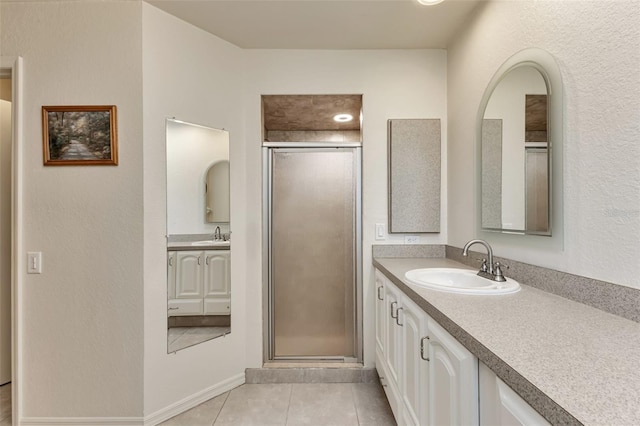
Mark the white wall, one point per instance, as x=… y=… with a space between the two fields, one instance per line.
x=191 y=150
x=596 y=47
x=196 y=77
x=394 y=84
x=82 y=317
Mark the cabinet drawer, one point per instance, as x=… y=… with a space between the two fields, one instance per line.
x=181 y=307
x=217 y=306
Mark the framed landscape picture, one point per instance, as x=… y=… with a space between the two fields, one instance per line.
x=79 y=135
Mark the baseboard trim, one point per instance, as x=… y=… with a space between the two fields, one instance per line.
x=193 y=400
x=88 y=421
x=152 y=419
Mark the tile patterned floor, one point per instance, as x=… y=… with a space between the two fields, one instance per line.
x=5 y=404
x=313 y=404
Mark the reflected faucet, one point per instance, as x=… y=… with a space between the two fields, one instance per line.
x=490 y=271
x=216 y=235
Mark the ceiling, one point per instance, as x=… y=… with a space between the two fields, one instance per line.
x=325 y=24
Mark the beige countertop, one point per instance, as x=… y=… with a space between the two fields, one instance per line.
x=571 y=362
x=189 y=246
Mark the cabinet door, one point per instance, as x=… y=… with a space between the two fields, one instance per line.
x=380 y=317
x=392 y=303
x=415 y=368
x=453 y=380
x=189 y=275
x=216 y=274
x=171 y=275
x=501 y=406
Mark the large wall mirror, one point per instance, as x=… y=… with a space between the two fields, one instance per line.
x=198 y=234
x=520 y=140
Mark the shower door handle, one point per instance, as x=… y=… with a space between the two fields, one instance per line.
x=380 y=298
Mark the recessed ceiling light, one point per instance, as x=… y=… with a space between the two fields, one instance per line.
x=342 y=118
x=429 y=2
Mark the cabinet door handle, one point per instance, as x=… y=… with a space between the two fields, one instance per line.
x=380 y=298
x=206 y=260
x=422 y=348
x=392 y=309
x=173 y=309
x=198 y=260
x=398 y=316
x=171 y=261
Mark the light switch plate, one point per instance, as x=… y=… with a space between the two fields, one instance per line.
x=380 y=234
x=34 y=262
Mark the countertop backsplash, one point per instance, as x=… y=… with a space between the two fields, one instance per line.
x=183 y=238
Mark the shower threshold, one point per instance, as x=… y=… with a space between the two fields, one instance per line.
x=311 y=364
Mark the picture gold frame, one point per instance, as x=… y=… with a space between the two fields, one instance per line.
x=84 y=135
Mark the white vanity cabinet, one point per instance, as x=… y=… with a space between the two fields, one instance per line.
x=392 y=297
x=414 y=381
x=386 y=341
x=453 y=379
x=189 y=273
x=199 y=283
x=171 y=275
x=428 y=376
x=380 y=318
x=501 y=406
x=217 y=285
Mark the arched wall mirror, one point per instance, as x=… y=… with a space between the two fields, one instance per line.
x=198 y=234
x=519 y=135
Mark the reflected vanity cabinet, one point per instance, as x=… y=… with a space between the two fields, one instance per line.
x=217 y=283
x=429 y=377
x=199 y=283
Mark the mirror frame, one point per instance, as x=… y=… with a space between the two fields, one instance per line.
x=544 y=63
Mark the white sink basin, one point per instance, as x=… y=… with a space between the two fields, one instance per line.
x=461 y=281
x=210 y=243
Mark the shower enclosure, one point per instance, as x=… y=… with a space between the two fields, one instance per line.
x=313 y=252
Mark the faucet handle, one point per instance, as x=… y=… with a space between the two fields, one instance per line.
x=484 y=266
x=497 y=271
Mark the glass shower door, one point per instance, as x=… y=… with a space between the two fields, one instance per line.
x=313 y=230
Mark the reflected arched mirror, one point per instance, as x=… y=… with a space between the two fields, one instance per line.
x=519 y=122
x=198 y=245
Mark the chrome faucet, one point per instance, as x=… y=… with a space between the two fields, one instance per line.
x=216 y=235
x=491 y=271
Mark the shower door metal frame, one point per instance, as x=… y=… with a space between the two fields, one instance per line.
x=268 y=148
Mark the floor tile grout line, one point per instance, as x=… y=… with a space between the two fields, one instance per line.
x=286 y=417
x=355 y=405
x=221 y=407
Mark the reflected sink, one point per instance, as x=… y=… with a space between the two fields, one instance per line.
x=210 y=243
x=463 y=281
